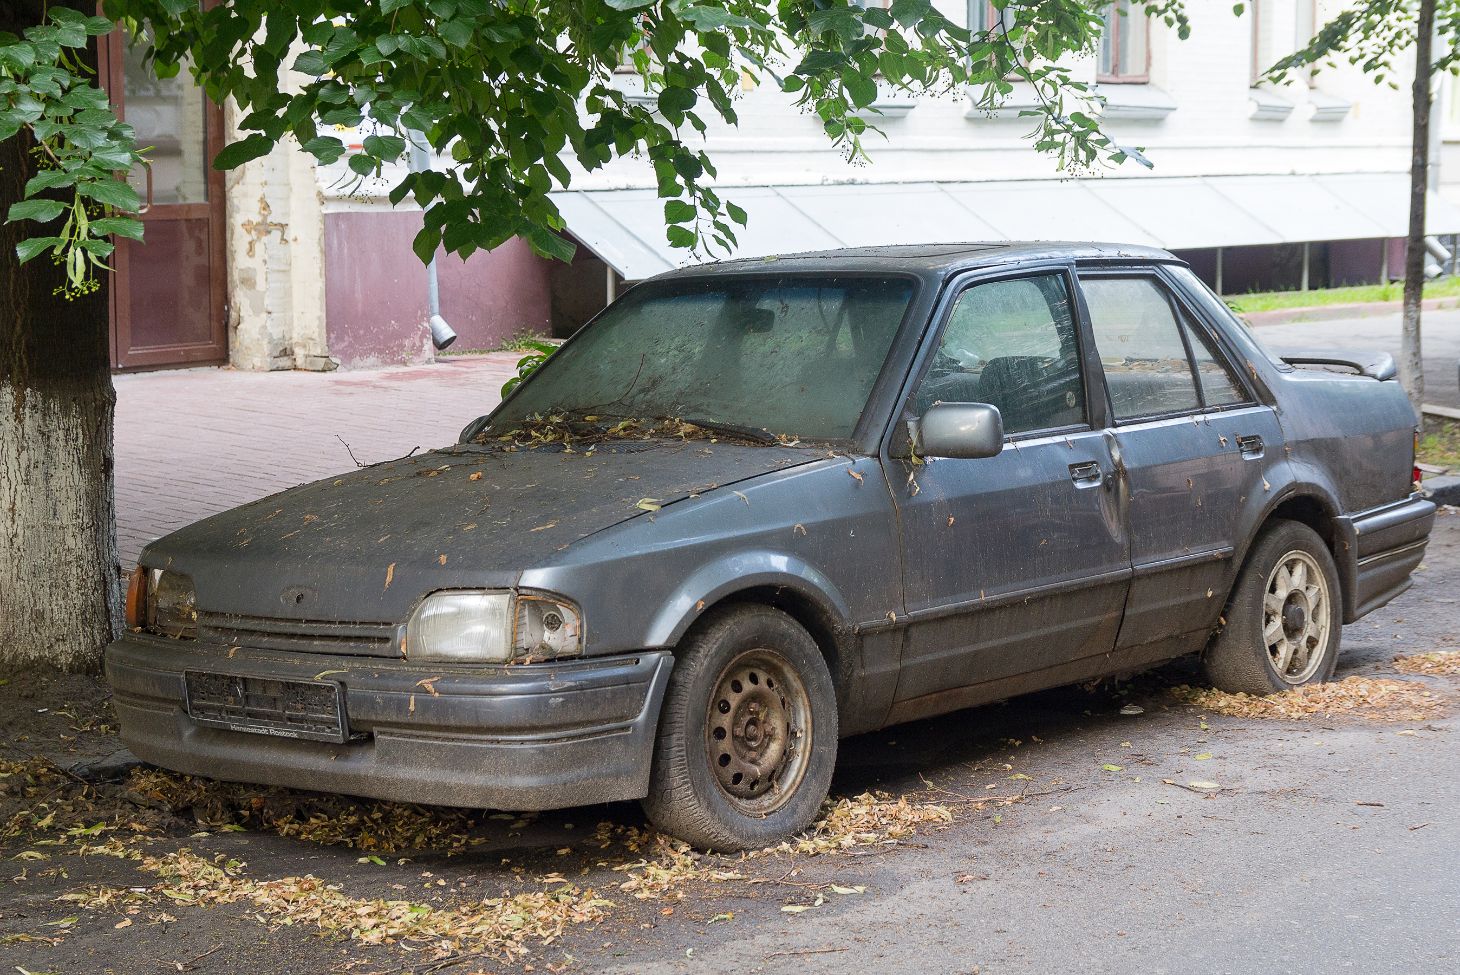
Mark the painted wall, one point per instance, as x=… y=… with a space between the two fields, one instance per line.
x=375 y=291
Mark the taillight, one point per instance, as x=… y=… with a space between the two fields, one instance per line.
x=136 y=605
x=1416 y=475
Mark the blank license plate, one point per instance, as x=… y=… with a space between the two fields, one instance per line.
x=265 y=706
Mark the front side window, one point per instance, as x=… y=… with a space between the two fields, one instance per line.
x=1124 y=44
x=1011 y=344
x=1141 y=348
x=1219 y=387
x=780 y=355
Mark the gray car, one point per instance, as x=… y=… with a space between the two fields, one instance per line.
x=759 y=506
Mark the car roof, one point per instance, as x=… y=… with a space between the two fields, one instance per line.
x=930 y=260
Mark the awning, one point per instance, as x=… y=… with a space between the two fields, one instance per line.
x=625 y=227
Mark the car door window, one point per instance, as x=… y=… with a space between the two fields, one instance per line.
x=1141 y=348
x=1219 y=385
x=1011 y=344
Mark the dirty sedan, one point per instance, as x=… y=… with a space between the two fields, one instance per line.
x=759 y=506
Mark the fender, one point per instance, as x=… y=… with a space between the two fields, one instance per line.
x=726 y=576
x=1345 y=554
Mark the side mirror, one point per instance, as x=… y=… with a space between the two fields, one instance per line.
x=964 y=430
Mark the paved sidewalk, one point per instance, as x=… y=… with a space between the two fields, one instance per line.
x=197 y=441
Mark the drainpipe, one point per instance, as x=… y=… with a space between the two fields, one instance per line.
x=442 y=334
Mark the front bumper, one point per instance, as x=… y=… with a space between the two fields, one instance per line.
x=524 y=737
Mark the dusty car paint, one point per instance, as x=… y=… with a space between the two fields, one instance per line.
x=929 y=583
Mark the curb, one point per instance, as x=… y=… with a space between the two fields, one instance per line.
x=1444 y=489
x=1317 y=313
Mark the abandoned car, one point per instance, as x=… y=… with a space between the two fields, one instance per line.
x=758 y=506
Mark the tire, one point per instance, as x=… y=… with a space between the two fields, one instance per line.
x=745 y=684
x=1274 y=642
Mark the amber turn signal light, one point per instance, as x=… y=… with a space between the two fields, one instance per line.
x=136 y=605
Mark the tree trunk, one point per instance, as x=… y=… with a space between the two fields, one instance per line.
x=60 y=600
x=1411 y=365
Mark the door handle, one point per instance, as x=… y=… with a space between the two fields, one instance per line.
x=1086 y=473
x=1250 y=446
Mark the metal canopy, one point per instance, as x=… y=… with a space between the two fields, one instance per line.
x=625 y=227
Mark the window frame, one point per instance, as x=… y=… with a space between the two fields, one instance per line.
x=1114 y=76
x=1096 y=408
x=1181 y=311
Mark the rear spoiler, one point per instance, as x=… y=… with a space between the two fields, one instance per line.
x=1375 y=365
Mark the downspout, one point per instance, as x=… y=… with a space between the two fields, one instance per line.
x=442 y=335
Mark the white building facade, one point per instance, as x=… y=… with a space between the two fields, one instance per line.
x=1258 y=186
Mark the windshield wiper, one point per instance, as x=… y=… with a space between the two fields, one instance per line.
x=732 y=429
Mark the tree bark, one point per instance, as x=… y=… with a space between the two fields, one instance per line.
x=1411 y=365
x=60 y=600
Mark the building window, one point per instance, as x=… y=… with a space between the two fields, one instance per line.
x=1125 y=45
x=984 y=17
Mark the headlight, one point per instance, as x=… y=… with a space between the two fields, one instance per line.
x=493 y=627
x=163 y=602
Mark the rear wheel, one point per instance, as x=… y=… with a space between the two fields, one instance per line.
x=1285 y=618
x=748 y=734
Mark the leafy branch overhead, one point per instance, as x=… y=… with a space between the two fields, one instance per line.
x=1372 y=35
x=81 y=151
x=512 y=93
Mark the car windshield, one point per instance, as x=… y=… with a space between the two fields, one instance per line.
x=789 y=357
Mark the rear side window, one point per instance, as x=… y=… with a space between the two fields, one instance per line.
x=1141 y=348
x=1219 y=387
x=1011 y=344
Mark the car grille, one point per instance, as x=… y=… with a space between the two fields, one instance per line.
x=303 y=636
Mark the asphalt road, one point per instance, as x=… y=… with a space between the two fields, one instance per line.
x=1439 y=344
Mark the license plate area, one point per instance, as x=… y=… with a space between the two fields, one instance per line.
x=312 y=710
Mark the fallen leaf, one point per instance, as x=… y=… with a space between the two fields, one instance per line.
x=389 y=574
x=1113 y=768
x=1203 y=756
x=474 y=476
x=441 y=558
x=429 y=683
x=648 y=504
x=325 y=673
x=856 y=475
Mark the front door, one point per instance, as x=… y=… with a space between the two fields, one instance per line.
x=167 y=300
x=1197 y=447
x=1014 y=566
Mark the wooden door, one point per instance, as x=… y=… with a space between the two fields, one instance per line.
x=168 y=294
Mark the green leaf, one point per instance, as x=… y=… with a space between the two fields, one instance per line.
x=246 y=150
x=628 y=4
x=679 y=236
x=861 y=88
x=325 y=148
x=121 y=226
x=33 y=246
x=362 y=164
x=48 y=179
x=678 y=211
x=38 y=210
x=390 y=6
x=311 y=63
x=736 y=213
x=113 y=193
x=674 y=102
x=385 y=147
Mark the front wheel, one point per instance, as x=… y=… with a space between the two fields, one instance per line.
x=748 y=733
x=1285 y=618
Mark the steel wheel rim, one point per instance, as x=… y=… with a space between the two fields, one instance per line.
x=1296 y=617
x=758 y=731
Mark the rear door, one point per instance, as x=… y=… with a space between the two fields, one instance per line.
x=1016 y=564
x=1196 y=446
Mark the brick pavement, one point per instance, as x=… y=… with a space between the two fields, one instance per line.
x=193 y=442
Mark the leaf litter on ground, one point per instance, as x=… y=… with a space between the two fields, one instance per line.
x=1436 y=663
x=1373 y=698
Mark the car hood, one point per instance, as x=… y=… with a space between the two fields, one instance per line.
x=366 y=545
